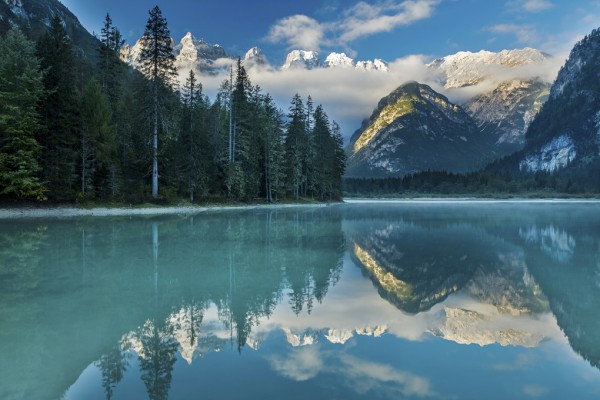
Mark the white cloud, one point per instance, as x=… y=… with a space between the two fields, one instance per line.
x=347 y=95
x=361 y=20
x=298 y=31
x=365 y=375
x=530 y=5
x=301 y=364
x=365 y=19
x=536 y=390
x=524 y=34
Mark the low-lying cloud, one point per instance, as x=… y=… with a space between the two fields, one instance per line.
x=349 y=95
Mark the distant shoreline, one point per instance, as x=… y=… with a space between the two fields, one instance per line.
x=366 y=200
x=71 y=211
x=18 y=212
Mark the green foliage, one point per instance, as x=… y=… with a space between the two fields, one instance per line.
x=98 y=142
x=59 y=113
x=21 y=89
x=105 y=130
x=157 y=64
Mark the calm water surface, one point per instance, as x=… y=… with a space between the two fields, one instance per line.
x=356 y=301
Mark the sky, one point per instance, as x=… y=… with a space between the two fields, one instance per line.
x=405 y=33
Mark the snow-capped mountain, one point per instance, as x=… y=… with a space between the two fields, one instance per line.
x=417 y=129
x=255 y=56
x=190 y=53
x=466 y=68
x=567 y=130
x=301 y=59
x=339 y=60
x=310 y=60
x=506 y=111
x=375 y=65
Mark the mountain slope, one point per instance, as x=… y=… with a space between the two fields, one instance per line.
x=417 y=129
x=506 y=110
x=33 y=18
x=567 y=129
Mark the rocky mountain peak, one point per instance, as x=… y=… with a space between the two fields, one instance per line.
x=256 y=56
x=301 y=59
x=339 y=60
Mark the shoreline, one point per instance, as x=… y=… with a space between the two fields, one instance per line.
x=470 y=200
x=73 y=211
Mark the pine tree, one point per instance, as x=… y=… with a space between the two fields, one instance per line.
x=111 y=42
x=157 y=64
x=339 y=166
x=193 y=141
x=21 y=89
x=98 y=142
x=296 y=137
x=324 y=153
x=59 y=113
x=239 y=166
x=274 y=151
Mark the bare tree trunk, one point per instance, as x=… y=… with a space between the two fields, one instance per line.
x=155 y=147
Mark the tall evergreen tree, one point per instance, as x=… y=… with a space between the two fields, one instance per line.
x=21 y=89
x=98 y=143
x=239 y=167
x=157 y=64
x=296 y=137
x=339 y=166
x=59 y=112
x=324 y=153
x=193 y=139
x=111 y=42
x=274 y=157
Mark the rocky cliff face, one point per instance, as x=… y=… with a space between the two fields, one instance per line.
x=566 y=133
x=506 y=111
x=33 y=18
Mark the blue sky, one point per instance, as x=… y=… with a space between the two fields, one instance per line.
x=387 y=29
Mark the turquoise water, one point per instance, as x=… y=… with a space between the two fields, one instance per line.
x=355 y=301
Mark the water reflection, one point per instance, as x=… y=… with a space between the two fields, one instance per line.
x=140 y=297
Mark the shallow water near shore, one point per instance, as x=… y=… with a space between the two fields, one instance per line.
x=378 y=300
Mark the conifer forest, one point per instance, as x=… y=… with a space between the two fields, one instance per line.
x=76 y=130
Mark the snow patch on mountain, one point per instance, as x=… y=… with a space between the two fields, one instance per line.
x=339 y=60
x=466 y=68
x=190 y=54
x=472 y=327
x=375 y=65
x=255 y=56
x=557 y=243
x=556 y=154
x=301 y=59
x=16 y=6
x=304 y=59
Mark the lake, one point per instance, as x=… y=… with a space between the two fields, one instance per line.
x=421 y=300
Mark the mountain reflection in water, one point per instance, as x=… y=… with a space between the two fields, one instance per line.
x=143 y=296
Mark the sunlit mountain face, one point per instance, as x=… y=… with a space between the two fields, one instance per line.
x=386 y=301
